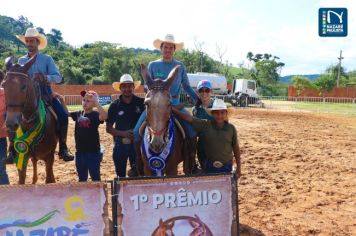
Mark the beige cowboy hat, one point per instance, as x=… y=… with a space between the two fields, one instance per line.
x=125 y=79
x=218 y=104
x=168 y=39
x=33 y=33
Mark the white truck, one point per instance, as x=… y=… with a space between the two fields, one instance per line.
x=243 y=93
x=218 y=82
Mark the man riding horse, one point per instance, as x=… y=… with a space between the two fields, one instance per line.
x=160 y=69
x=45 y=71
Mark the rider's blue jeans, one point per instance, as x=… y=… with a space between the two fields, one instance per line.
x=188 y=128
x=4 y=179
x=60 y=112
x=62 y=115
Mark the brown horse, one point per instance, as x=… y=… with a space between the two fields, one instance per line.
x=22 y=97
x=159 y=121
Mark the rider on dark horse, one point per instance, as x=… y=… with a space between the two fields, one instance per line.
x=45 y=72
x=160 y=69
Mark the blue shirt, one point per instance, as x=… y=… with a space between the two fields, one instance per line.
x=160 y=70
x=45 y=65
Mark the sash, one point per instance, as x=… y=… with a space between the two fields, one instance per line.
x=25 y=141
x=157 y=161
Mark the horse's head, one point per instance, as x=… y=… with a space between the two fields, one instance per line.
x=164 y=229
x=16 y=86
x=158 y=108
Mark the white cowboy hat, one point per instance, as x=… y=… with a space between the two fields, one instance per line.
x=218 y=104
x=168 y=39
x=125 y=79
x=33 y=33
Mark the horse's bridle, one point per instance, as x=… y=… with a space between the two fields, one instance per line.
x=34 y=115
x=161 y=131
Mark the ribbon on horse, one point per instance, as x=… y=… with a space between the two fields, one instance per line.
x=25 y=141
x=157 y=161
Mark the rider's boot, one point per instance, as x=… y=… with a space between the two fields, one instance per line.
x=192 y=147
x=138 y=162
x=201 y=160
x=63 y=149
x=192 y=150
x=11 y=154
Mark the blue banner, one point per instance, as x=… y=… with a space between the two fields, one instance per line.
x=104 y=100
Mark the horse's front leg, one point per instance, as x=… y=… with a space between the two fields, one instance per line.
x=22 y=175
x=172 y=170
x=147 y=170
x=49 y=169
x=34 y=177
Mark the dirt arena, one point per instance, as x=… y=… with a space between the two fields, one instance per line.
x=298 y=170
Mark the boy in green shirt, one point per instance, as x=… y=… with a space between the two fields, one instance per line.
x=220 y=139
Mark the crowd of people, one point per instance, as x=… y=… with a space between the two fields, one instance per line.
x=209 y=134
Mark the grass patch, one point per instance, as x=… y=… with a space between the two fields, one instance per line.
x=326 y=107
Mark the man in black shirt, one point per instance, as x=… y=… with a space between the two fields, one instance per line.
x=124 y=113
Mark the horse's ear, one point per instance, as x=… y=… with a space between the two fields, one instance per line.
x=28 y=64
x=160 y=222
x=8 y=63
x=146 y=76
x=171 y=77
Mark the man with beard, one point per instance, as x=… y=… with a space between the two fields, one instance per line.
x=45 y=71
x=124 y=113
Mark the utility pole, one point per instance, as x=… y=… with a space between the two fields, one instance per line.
x=339 y=68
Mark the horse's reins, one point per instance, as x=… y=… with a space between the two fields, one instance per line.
x=34 y=115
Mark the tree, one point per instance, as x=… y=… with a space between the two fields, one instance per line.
x=325 y=83
x=55 y=37
x=266 y=70
x=112 y=70
x=199 y=48
x=40 y=30
x=301 y=83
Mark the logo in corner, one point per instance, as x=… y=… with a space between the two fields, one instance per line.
x=332 y=22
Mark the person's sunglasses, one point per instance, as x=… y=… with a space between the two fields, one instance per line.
x=204 y=90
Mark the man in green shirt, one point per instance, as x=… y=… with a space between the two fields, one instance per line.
x=220 y=138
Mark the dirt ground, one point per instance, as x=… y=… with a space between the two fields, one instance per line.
x=298 y=170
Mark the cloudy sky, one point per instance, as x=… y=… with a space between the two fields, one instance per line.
x=286 y=28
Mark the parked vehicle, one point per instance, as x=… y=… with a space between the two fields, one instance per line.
x=218 y=82
x=243 y=93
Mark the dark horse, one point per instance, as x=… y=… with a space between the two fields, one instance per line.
x=159 y=124
x=22 y=106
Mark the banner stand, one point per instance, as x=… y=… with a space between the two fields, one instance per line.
x=117 y=208
x=114 y=205
x=235 y=200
